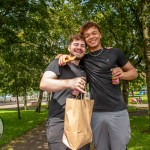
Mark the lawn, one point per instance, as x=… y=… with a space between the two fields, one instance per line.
x=14 y=127
x=140 y=138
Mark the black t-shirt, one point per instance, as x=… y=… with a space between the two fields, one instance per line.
x=58 y=100
x=108 y=97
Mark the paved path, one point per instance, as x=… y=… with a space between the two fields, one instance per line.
x=11 y=105
x=14 y=105
x=139 y=105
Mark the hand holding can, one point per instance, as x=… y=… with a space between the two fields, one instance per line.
x=115 y=80
x=115 y=77
x=78 y=86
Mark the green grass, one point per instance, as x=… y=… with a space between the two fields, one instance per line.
x=14 y=127
x=140 y=139
x=144 y=97
x=131 y=108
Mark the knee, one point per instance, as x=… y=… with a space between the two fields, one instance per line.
x=124 y=142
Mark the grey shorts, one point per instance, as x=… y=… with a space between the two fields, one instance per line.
x=55 y=129
x=111 y=130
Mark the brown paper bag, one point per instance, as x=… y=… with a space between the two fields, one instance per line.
x=77 y=127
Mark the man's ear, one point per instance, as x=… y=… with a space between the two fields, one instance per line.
x=69 y=48
x=100 y=35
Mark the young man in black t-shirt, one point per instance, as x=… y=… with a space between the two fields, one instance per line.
x=110 y=120
x=61 y=80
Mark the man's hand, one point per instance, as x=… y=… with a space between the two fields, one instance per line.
x=117 y=73
x=58 y=56
x=62 y=59
x=78 y=84
x=127 y=72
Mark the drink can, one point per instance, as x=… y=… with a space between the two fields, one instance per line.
x=75 y=92
x=115 y=81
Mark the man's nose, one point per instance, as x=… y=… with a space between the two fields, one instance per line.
x=91 y=36
x=79 y=46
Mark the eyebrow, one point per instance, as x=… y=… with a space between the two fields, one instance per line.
x=78 y=44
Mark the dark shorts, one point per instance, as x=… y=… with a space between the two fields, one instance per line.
x=55 y=129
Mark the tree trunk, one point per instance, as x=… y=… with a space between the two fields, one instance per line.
x=48 y=99
x=125 y=91
x=17 y=94
x=18 y=108
x=146 y=35
x=25 y=99
x=132 y=93
x=39 y=101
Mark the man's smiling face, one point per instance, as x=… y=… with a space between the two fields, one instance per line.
x=77 y=48
x=92 y=37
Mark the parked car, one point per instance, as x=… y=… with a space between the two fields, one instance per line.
x=1 y=99
x=142 y=92
x=6 y=98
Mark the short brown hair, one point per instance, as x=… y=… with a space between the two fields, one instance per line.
x=76 y=37
x=88 y=25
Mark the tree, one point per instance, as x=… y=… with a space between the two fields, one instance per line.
x=145 y=18
x=32 y=33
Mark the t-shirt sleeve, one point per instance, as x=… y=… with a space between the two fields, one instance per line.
x=122 y=60
x=54 y=67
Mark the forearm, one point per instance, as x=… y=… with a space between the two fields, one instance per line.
x=127 y=72
x=129 y=75
x=54 y=85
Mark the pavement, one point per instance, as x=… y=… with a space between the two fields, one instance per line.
x=139 y=105
x=11 y=105
x=14 y=105
x=36 y=138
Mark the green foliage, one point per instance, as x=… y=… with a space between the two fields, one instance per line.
x=32 y=33
x=14 y=127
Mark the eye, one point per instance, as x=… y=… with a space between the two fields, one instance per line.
x=83 y=45
x=94 y=33
x=86 y=35
x=75 y=44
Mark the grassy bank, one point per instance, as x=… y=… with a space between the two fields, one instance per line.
x=14 y=127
